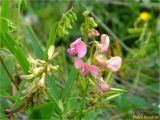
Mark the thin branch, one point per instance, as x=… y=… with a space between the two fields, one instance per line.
x=10 y=76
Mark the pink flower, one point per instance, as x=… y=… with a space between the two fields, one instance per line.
x=101 y=86
x=103 y=46
x=77 y=47
x=112 y=64
x=86 y=68
x=93 y=33
x=104 y=43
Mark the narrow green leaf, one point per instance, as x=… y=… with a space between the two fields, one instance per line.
x=68 y=86
x=113 y=96
x=52 y=87
x=43 y=112
x=35 y=42
x=54 y=101
x=118 y=90
x=79 y=114
x=52 y=38
x=15 y=49
x=4 y=14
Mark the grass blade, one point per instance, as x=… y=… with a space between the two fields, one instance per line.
x=44 y=111
x=68 y=86
x=113 y=96
x=35 y=42
x=52 y=38
x=52 y=87
x=15 y=49
x=4 y=14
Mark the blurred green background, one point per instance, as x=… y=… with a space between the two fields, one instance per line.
x=136 y=42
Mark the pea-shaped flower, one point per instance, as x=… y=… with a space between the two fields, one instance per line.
x=114 y=63
x=93 y=33
x=104 y=44
x=77 y=47
x=86 y=68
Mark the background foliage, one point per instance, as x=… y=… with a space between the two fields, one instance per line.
x=29 y=24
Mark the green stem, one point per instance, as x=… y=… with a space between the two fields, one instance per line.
x=109 y=77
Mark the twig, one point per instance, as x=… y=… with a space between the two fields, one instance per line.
x=10 y=76
x=109 y=31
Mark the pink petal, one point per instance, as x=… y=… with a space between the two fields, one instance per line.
x=93 y=33
x=104 y=42
x=72 y=51
x=96 y=33
x=79 y=64
x=93 y=70
x=81 y=49
x=85 y=71
x=114 y=63
x=76 y=42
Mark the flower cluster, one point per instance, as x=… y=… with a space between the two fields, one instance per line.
x=66 y=22
x=79 y=48
x=35 y=91
x=88 y=27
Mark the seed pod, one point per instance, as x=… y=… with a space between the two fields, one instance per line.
x=71 y=18
x=64 y=31
x=68 y=23
x=60 y=30
x=74 y=15
x=86 y=13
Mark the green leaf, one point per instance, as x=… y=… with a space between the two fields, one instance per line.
x=118 y=90
x=43 y=112
x=113 y=96
x=55 y=103
x=4 y=14
x=52 y=38
x=140 y=103
x=35 y=42
x=52 y=87
x=4 y=79
x=68 y=86
x=15 y=49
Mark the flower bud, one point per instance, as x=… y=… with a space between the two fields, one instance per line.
x=37 y=70
x=27 y=77
x=105 y=43
x=101 y=86
x=48 y=70
x=41 y=81
x=50 y=52
x=54 y=67
x=91 y=22
x=86 y=13
x=74 y=16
